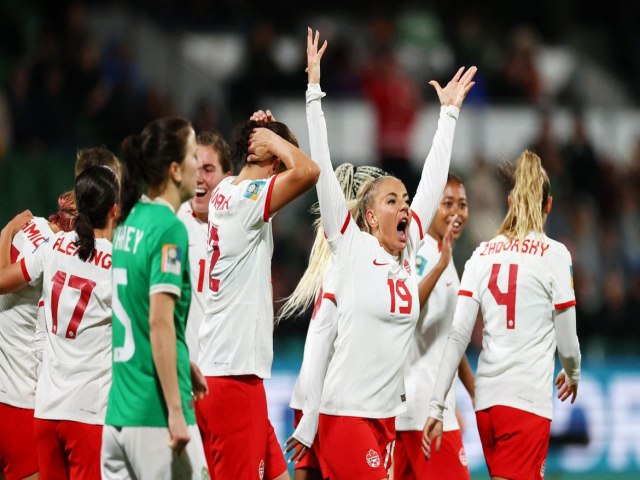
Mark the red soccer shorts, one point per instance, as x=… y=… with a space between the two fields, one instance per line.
x=356 y=447
x=242 y=444
x=514 y=442
x=409 y=463
x=68 y=449
x=313 y=459
x=18 y=458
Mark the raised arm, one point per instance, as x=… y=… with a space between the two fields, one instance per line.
x=436 y=166
x=333 y=206
x=12 y=276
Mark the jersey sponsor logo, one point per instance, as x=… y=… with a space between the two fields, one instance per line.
x=254 y=189
x=171 y=259
x=421 y=264
x=449 y=283
x=542 y=468
x=261 y=469
x=373 y=459
x=532 y=247
x=379 y=264
x=462 y=455
x=403 y=398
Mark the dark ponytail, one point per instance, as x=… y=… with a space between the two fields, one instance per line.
x=147 y=157
x=96 y=193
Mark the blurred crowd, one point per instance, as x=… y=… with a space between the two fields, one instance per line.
x=60 y=88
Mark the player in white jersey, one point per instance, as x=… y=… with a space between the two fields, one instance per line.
x=214 y=164
x=323 y=329
x=18 y=313
x=523 y=282
x=236 y=336
x=75 y=271
x=439 y=286
x=375 y=286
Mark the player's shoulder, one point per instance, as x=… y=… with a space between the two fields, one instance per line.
x=185 y=212
x=557 y=249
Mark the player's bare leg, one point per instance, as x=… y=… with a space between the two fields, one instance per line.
x=283 y=476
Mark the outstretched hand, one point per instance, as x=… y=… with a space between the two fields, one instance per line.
x=299 y=449
x=447 y=243
x=314 y=55
x=17 y=222
x=457 y=88
x=432 y=429
x=566 y=388
x=263 y=117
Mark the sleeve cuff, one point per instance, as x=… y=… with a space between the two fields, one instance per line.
x=314 y=92
x=450 y=110
x=165 y=288
x=436 y=411
x=306 y=431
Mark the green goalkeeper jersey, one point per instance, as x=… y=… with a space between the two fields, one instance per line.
x=149 y=256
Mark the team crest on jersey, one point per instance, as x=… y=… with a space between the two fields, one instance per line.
x=373 y=459
x=462 y=455
x=543 y=468
x=261 y=469
x=254 y=189
x=421 y=264
x=407 y=267
x=171 y=259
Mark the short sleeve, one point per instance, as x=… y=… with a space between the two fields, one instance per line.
x=32 y=264
x=255 y=202
x=168 y=260
x=561 y=269
x=469 y=284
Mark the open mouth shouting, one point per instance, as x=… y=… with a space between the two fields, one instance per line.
x=402 y=227
x=201 y=192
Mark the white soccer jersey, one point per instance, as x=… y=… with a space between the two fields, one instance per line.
x=236 y=336
x=197 y=231
x=429 y=341
x=377 y=293
x=318 y=350
x=518 y=285
x=76 y=365
x=18 y=313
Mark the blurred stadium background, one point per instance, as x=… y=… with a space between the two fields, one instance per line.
x=559 y=77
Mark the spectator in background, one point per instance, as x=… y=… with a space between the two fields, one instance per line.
x=521 y=75
x=395 y=99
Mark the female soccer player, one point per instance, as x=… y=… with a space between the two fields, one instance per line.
x=150 y=418
x=236 y=337
x=523 y=282
x=373 y=257
x=323 y=329
x=75 y=270
x=439 y=286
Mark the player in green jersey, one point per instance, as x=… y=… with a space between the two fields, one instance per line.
x=150 y=429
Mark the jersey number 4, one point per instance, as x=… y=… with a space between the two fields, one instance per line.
x=85 y=286
x=399 y=289
x=508 y=298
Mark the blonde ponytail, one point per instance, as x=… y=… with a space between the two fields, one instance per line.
x=351 y=180
x=529 y=196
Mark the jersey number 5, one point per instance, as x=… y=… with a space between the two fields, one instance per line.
x=400 y=289
x=126 y=351
x=508 y=298
x=85 y=286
